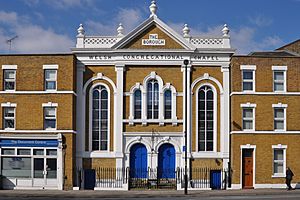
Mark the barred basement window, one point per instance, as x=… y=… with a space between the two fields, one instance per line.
x=168 y=104
x=9 y=80
x=100 y=119
x=9 y=117
x=137 y=104
x=152 y=99
x=205 y=119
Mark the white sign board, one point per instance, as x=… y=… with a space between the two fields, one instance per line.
x=153 y=41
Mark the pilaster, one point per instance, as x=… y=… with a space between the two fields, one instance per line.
x=80 y=136
x=225 y=112
x=118 y=115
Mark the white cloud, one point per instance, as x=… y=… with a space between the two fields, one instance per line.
x=260 y=21
x=31 y=38
x=61 y=4
x=8 y=18
x=242 y=39
x=130 y=18
x=36 y=39
x=65 y=4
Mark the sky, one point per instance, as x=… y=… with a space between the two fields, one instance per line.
x=50 y=26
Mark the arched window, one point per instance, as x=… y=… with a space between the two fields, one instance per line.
x=137 y=104
x=168 y=104
x=100 y=119
x=152 y=99
x=205 y=119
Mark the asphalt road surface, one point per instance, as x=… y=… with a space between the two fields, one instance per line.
x=252 y=197
x=258 y=194
x=257 y=197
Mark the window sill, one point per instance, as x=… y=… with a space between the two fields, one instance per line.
x=207 y=154
x=9 y=90
x=279 y=130
x=248 y=130
x=51 y=90
x=9 y=129
x=174 y=122
x=50 y=129
x=100 y=154
x=248 y=91
x=279 y=92
x=278 y=176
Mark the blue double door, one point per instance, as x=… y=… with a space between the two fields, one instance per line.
x=139 y=163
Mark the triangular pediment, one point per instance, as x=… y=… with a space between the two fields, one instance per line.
x=153 y=34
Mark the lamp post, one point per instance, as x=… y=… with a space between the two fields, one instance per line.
x=185 y=62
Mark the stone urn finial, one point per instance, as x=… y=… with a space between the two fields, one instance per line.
x=153 y=8
x=225 y=31
x=80 y=31
x=186 y=31
x=120 y=30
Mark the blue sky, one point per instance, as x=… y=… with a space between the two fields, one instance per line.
x=47 y=26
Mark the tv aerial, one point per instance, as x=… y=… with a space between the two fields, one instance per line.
x=9 y=41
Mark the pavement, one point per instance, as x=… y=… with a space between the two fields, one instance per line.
x=144 y=194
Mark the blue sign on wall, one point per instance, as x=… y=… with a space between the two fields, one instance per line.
x=28 y=143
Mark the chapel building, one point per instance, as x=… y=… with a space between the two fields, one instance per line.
x=121 y=111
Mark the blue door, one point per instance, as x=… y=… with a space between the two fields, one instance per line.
x=166 y=161
x=138 y=161
x=215 y=179
x=89 y=179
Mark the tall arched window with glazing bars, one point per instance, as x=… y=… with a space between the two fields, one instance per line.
x=100 y=119
x=152 y=99
x=168 y=104
x=137 y=104
x=205 y=112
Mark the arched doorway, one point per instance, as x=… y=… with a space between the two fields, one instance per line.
x=166 y=161
x=138 y=161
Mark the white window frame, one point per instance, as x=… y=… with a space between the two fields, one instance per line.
x=141 y=103
x=279 y=106
x=250 y=68
x=283 y=148
x=50 y=80
x=248 y=106
x=215 y=118
x=91 y=117
x=280 y=69
x=9 y=105
x=50 y=105
x=170 y=87
x=9 y=80
x=162 y=89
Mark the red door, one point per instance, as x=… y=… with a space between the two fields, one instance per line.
x=248 y=169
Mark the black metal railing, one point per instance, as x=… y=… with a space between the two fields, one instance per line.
x=110 y=177
x=154 y=178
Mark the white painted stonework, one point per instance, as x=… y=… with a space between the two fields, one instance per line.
x=110 y=51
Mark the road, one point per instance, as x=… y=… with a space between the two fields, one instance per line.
x=258 y=194
x=285 y=196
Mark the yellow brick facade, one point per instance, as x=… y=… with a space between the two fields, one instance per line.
x=264 y=136
x=30 y=96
